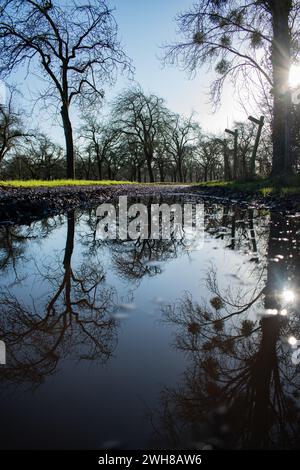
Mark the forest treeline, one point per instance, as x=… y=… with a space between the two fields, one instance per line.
x=75 y=49
x=140 y=140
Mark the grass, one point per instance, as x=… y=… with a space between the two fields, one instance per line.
x=282 y=187
x=166 y=183
x=59 y=183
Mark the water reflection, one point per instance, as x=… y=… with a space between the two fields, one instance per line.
x=134 y=259
x=77 y=316
x=240 y=388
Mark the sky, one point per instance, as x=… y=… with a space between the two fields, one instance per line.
x=144 y=27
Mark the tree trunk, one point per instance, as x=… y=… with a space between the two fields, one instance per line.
x=235 y=157
x=226 y=163
x=161 y=174
x=99 y=165
x=139 y=174
x=68 y=131
x=150 y=170
x=133 y=173
x=244 y=166
x=180 y=170
x=266 y=378
x=70 y=240
x=281 y=62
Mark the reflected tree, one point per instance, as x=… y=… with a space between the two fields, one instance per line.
x=241 y=389
x=134 y=259
x=76 y=320
x=14 y=241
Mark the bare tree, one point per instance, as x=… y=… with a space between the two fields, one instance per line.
x=11 y=128
x=239 y=362
x=76 y=318
x=135 y=157
x=180 y=135
x=208 y=155
x=75 y=45
x=140 y=117
x=101 y=138
x=43 y=156
x=245 y=146
x=245 y=40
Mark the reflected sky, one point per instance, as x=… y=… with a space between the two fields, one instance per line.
x=101 y=335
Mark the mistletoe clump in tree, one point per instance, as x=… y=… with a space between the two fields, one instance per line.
x=249 y=42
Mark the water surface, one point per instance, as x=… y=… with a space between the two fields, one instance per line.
x=154 y=343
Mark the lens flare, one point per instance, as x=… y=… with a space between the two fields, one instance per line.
x=294 y=76
x=288 y=296
x=292 y=340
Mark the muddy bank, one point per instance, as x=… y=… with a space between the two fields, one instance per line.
x=24 y=205
x=284 y=204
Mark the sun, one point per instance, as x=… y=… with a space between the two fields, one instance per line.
x=288 y=296
x=294 y=77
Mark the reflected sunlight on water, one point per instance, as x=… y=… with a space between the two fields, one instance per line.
x=151 y=343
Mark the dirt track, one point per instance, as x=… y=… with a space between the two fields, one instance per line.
x=25 y=205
